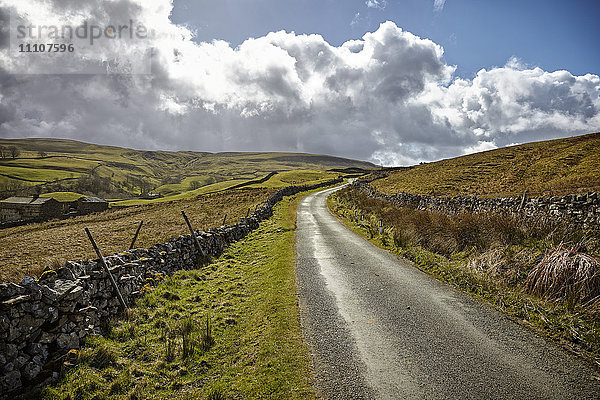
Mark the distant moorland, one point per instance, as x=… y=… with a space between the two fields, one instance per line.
x=58 y=165
x=550 y=167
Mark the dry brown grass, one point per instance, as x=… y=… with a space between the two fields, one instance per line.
x=448 y=234
x=553 y=167
x=27 y=250
x=568 y=275
x=500 y=247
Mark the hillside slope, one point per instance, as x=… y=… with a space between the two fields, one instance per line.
x=57 y=165
x=543 y=168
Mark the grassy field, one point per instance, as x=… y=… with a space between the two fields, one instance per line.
x=63 y=196
x=192 y=183
x=256 y=351
x=539 y=273
x=59 y=162
x=280 y=180
x=37 y=175
x=112 y=172
x=215 y=187
x=551 y=167
x=28 y=249
x=296 y=177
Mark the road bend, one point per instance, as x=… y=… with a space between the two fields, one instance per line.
x=380 y=328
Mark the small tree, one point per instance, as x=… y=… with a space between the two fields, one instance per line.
x=14 y=152
x=42 y=153
x=145 y=186
x=3 y=152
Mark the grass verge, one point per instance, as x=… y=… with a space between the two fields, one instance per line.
x=487 y=257
x=245 y=301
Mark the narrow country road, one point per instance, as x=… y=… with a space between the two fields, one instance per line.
x=380 y=328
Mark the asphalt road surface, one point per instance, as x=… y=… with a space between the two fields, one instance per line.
x=380 y=328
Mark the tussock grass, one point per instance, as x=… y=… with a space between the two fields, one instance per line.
x=568 y=275
x=216 y=394
x=450 y=234
x=100 y=355
x=168 y=336
x=188 y=340
x=206 y=339
x=535 y=270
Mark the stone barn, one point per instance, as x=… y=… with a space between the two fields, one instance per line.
x=15 y=209
x=87 y=205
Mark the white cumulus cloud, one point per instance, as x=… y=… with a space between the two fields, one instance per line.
x=380 y=4
x=438 y=5
x=388 y=97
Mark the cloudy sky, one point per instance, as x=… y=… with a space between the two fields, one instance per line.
x=395 y=82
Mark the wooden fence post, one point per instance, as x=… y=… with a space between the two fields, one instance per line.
x=137 y=232
x=224 y=219
x=187 y=221
x=380 y=226
x=103 y=261
x=523 y=200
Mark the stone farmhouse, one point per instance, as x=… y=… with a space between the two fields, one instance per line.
x=16 y=209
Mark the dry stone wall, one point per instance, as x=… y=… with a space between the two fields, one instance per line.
x=41 y=320
x=582 y=211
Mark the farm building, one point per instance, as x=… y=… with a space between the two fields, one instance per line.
x=87 y=205
x=16 y=209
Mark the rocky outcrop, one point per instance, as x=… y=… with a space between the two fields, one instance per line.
x=41 y=320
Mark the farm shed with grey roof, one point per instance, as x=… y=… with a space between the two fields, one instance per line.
x=16 y=209
x=87 y=205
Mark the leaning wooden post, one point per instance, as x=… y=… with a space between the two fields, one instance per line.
x=187 y=221
x=224 y=219
x=137 y=232
x=247 y=212
x=523 y=200
x=103 y=261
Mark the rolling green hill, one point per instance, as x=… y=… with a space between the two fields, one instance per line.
x=60 y=165
x=551 y=167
